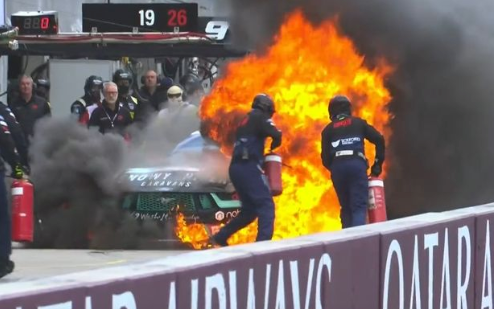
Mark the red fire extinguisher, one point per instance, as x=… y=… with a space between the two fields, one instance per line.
x=272 y=169
x=22 y=211
x=377 y=201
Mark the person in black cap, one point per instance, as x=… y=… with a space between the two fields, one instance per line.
x=81 y=109
x=124 y=81
x=246 y=172
x=343 y=154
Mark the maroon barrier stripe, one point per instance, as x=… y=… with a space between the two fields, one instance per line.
x=432 y=259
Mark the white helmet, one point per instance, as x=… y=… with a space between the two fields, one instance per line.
x=174 y=91
x=175 y=95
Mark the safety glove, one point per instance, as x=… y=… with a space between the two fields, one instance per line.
x=17 y=172
x=376 y=169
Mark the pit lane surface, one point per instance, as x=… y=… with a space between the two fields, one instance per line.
x=32 y=264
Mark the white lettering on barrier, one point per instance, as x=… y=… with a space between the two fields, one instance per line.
x=266 y=286
x=487 y=273
x=309 y=283
x=416 y=277
x=89 y=303
x=394 y=249
x=66 y=305
x=172 y=301
x=119 y=301
x=232 y=279
x=125 y=300
x=462 y=286
x=215 y=282
x=280 y=292
x=464 y=267
x=325 y=261
x=296 y=287
x=251 y=293
x=194 y=293
x=431 y=241
x=295 y=284
x=445 y=275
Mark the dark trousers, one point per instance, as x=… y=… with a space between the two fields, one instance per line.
x=257 y=202
x=5 y=221
x=349 y=176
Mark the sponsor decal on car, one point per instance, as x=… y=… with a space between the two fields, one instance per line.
x=160 y=216
x=172 y=180
x=219 y=215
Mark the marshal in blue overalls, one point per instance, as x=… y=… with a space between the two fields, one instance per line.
x=246 y=172
x=343 y=155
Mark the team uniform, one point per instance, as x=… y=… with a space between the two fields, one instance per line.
x=343 y=155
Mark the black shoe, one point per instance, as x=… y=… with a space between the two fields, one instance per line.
x=6 y=268
x=217 y=243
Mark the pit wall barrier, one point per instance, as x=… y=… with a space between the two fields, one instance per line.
x=434 y=260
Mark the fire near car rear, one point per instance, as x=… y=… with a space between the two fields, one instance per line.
x=194 y=181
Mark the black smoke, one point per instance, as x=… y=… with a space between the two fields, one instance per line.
x=440 y=155
x=154 y=142
x=75 y=172
x=78 y=179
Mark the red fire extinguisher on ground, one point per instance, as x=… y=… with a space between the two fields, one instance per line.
x=272 y=169
x=377 y=200
x=22 y=211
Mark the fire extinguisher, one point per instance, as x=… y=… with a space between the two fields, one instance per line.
x=272 y=169
x=22 y=211
x=377 y=200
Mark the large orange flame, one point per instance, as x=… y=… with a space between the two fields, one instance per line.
x=302 y=70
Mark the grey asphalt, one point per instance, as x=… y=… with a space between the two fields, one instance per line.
x=34 y=264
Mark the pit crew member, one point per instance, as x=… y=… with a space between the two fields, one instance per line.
x=343 y=155
x=246 y=173
x=85 y=105
x=124 y=82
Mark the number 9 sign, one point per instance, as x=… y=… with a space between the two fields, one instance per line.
x=216 y=30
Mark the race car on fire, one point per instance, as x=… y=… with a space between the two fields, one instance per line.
x=194 y=181
x=191 y=181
